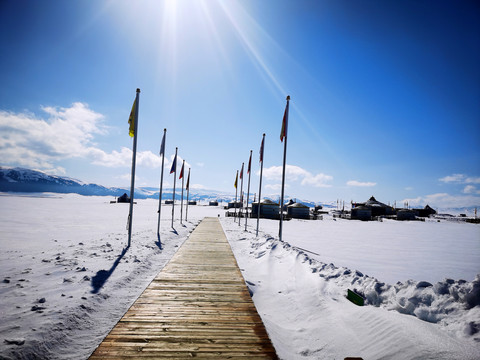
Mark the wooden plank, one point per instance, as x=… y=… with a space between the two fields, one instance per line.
x=197 y=306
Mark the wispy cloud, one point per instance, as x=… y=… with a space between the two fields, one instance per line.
x=295 y=173
x=28 y=140
x=470 y=189
x=360 y=183
x=444 y=200
x=460 y=178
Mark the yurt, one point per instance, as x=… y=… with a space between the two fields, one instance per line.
x=268 y=209
x=298 y=211
x=361 y=213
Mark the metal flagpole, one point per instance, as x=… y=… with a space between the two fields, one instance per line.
x=241 y=196
x=282 y=136
x=174 y=179
x=248 y=188
x=181 y=202
x=162 y=152
x=235 y=205
x=188 y=192
x=260 y=186
x=132 y=187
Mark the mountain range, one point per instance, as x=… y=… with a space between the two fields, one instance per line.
x=33 y=181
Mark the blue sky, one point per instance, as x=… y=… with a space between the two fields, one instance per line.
x=385 y=95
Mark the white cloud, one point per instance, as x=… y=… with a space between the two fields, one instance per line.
x=295 y=173
x=318 y=180
x=444 y=200
x=460 y=178
x=361 y=184
x=200 y=164
x=30 y=141
x=470 y=189
x=472 y=180
x=276 y=187
x=197 y=187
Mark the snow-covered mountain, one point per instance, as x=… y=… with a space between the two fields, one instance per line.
x=27 y=180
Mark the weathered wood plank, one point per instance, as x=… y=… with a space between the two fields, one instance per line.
x=197 y=306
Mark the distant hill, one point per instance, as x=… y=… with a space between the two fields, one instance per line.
x=30 y=181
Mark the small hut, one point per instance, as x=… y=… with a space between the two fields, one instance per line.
x=298 y=211
x=361 y=212
x=213 y=203
x=123 y=199
x=168 y=202
x=192 y=202
x=233 y=205
x=268 y=209
x=425 y=212
x=405 y=214
x=378 y=208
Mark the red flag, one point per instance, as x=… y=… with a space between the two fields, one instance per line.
x=181 y=172
x=283 y=133
x=249 y=163
x=188 y=180
x=241 y=172
x=261 y=150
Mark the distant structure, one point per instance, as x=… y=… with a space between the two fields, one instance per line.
x=192 y=202
x=268 y=209
x=233 y=205
x=213 y=203
x=168 y=202
x=425 y=212
x=123 y=199
x=298 y=211
x=376 y=207
x=373 y=208
x=361 y=212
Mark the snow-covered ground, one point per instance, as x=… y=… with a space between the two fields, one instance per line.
x=67 y=279
x=64 y=281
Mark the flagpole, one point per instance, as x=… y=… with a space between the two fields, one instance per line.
x=174 y=180
x=188 y=192
x=241 y=195
x=181 y=202
x=248 y=188
x=284 y=134
x=132 y=186
x=260 y=186
x=162 y=152
x=235 y=205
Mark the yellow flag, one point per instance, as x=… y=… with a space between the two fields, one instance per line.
x=131 y=120
x=236 y=181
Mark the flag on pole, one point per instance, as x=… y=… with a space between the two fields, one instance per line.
x=249 y=163
x=241 y=173
x=261 y=150
x=283 y=135
x=162 y=147
x=174 y=165
x=283 y=132
x=188 y=180
x=236 y=180
x=131 y=119
x=181 y=171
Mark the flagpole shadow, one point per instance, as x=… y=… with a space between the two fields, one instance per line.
x=159 y=242
x=174 y=231
x=102 y=276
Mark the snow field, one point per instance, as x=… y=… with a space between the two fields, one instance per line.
x=303 y=304
x=64 y=281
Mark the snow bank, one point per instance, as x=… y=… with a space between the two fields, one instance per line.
x=303 y=304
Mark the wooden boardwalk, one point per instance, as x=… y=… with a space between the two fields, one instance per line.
x=197 y=306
